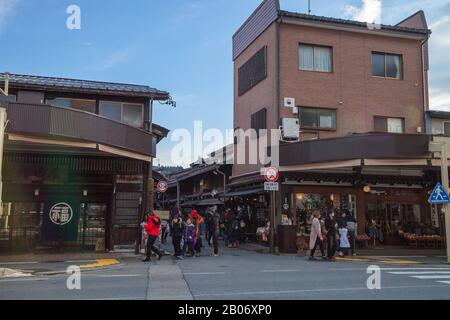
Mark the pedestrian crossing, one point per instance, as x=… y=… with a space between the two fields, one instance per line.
x=438 y=275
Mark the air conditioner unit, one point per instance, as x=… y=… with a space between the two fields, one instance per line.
x=289 y=102
x=290 y=129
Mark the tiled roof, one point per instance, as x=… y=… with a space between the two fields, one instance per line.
x=81 y=85
x=349 y=23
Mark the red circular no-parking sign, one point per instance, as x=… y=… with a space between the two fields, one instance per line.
x=162 y=186
x=271 y=174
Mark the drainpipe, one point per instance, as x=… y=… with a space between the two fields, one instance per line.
x=178 y=195
x=278 y=72
x=424 y=97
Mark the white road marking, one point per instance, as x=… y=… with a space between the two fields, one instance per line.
x=430 y=277
x=241 y=293
x=419 y=272
x=118 y=276
x=278 y=271
x=393 y=269
x=444 y=282
x=17 y=263
x=203 y=273
x=24 y=279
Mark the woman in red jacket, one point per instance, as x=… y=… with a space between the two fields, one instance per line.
x=152 y=229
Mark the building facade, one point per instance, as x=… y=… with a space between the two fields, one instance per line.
x=349 y=100
x=77 y=164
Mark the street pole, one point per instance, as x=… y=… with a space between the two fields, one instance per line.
x=272 y=222
x=445 y=183
x=441 y=147
x=2 y=138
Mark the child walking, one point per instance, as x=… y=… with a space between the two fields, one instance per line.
x=344 y=243
x=190 y=237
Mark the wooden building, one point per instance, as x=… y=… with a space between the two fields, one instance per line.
x=77 y=169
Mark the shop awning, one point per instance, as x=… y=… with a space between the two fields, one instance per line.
x=188 y=204
x=244 y=192
x=210 y=202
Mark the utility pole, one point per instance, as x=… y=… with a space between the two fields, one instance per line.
x=3 y=123
x=309 y=6
x=441 y=148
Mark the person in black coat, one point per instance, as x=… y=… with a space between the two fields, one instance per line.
x=331 y=227
x=177 y=235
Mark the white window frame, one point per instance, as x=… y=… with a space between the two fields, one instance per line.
x=443 y=127
x=121 y=110
x=314 y=46
x=402 y=68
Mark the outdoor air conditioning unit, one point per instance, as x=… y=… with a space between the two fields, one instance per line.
x=290 y=129
x=290 y=103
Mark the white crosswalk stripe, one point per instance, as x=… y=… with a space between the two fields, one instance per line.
x=438 y=275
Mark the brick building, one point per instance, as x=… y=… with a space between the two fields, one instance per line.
x=350 y=99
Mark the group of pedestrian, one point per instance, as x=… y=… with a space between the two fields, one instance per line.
x=338 y=231
x=187 y=233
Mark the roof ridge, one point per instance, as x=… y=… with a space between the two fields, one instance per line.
x=73 y=79
x=349 y=21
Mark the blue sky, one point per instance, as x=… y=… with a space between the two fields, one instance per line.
x=182 y=46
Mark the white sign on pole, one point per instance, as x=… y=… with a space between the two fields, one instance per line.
x=271 y=186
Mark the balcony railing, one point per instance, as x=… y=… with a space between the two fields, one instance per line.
x=358 y=146
x=50 y=121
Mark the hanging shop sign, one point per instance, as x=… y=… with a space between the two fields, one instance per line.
x=61 y=214
x=162 y=186
x=271 y=174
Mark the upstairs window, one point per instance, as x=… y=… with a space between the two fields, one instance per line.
x=253 y=71
x=390 y=125
x=447 y=128
x=128 y=113
x=315 y=58
x=318 y=118
x=259 y=121
x=79 y=104
x=386 y=65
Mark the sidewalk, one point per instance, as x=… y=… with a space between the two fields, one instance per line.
x=57 y=257
x=52 y=264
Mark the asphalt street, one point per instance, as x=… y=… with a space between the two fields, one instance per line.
x=238 y=275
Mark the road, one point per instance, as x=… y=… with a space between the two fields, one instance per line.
x=239 y=275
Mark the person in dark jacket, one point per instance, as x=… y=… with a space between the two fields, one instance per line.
x=177 y=236
x=214 y=228
x=331 y=228
x=152 y=228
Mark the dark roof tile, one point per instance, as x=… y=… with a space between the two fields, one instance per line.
x=80 y=85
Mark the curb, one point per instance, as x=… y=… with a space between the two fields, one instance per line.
x=101 y=264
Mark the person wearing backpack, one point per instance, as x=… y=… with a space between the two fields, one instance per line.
x=152 y=228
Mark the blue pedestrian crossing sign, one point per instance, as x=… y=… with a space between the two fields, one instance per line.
x=439 y=195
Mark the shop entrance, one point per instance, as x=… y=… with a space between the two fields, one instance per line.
x=395 y=216
x=92 y=229
x=393 y=219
